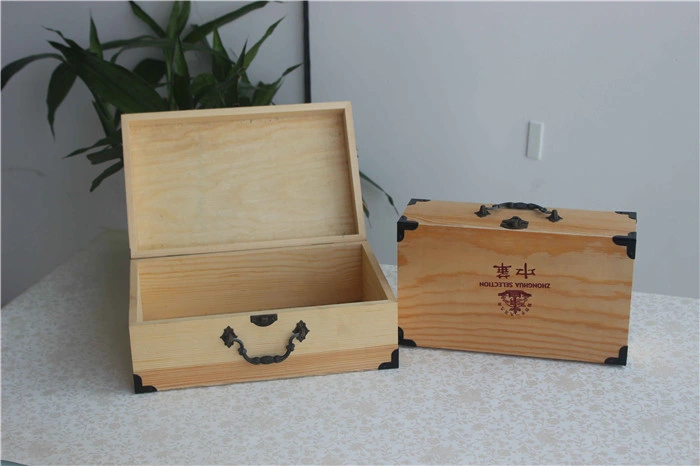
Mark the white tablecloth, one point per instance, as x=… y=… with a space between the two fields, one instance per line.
x=67 y=395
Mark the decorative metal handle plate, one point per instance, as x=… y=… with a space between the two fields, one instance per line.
x=515 y=223
x=229 y=337
x=553 y=214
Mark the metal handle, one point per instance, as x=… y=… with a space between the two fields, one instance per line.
x=553 y=217
x=230 y=337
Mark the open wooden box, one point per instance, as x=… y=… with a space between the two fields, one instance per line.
x=246 y=230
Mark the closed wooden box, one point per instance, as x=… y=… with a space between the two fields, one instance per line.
x=249 y=255
x=472 y=277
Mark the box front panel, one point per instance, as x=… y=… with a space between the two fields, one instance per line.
x=181 y=353
x=514 y=292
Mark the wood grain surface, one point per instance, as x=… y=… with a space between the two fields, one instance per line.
x=225 y=179
x=298 y=365
x=181 y=305
x=576 y=222
x=244 y=281
x=247 y=211
x=578 y=288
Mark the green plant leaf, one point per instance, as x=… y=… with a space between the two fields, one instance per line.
x=106 y=121
x=106 y=154
x=105 y=174
x=181 y=93
x=60 y=84
x=170 y=27
x=376 y=185
x=202 y=81
x=181 y=79
x=205 y=90
x=101 y=142
x=95 y=46
x=290 y=69
x=143 y=16
x=229 y=89
x=70 y=43
x=264 y=93
x=117 y=120
x=166 y=45
x=200 y=32
x=151 y=70
x=112 y=83
x=220 y=66
x=182 y=18
x=11 y=69
x=179 y=16
x=114 y=44
x=179 y=62
x=172 y=21
x=254 y=49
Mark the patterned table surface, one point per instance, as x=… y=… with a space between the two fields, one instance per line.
x=67 y=395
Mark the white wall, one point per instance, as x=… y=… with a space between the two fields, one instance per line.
x=47 y=210
x=442 y=94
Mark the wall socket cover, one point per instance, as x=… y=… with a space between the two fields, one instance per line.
x=535 y=136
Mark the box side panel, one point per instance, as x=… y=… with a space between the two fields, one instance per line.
x=354 y=168
x=190 y=352
x=545 y=295
x=245 y=281
x=135 y=309
x=332 y=362
x=374 y=284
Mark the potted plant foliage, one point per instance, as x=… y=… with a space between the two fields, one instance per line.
x=154 y=84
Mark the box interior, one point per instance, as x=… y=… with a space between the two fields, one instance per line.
x=248 y=281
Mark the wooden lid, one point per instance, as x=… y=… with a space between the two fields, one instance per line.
x=241 y=178
x=573 y=222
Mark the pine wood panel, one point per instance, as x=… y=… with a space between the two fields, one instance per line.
x=576 y=222
x=295 y=366
x=178 y=343
x=225 y=179
x=582 y=314
x=374 y=284
x=244 y=281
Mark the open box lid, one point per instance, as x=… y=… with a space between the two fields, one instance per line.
x=201 y=181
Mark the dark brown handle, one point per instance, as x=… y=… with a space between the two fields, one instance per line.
x=229 y=337
x=553 y=217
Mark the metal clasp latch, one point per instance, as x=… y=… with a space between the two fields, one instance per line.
x=264 y=320
x=515 y=223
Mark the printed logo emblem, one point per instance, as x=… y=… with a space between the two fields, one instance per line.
x=515 y=302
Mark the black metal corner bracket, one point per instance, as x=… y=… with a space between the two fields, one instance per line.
x=415 y=201
x=139 y=387
x=402 y=225
x=621 y=359
x=632 y=215
x=393 y=364
x=629 y=241
x=403 y=341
